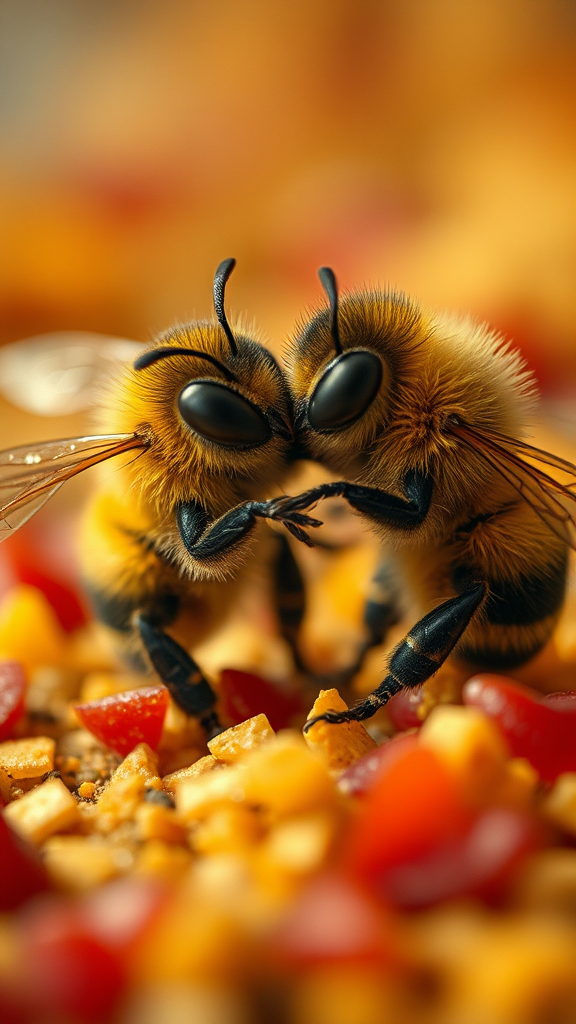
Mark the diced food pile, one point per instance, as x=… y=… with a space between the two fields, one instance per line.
x=424 y=877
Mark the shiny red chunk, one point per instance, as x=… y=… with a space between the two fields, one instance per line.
x=69 y=974
x=12 y=689
x=27 y=561
x=478 y=863
x=126 y=719
x=361 y=776
x=403 y=709
x=333 y=921
x=22 y=874
x=541 y=729
x=413 y=808
x=120 y=913
x=244 y=695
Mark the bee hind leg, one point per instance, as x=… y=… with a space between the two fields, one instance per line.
x=418 y=656
x=180 y=674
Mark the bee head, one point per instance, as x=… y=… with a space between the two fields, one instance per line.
x=343 y=367
x=217 y=407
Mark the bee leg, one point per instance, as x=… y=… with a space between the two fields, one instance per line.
x=378 y=505
x=418 y=656
x=206 y=542
x=180 y=673
x=290 y=598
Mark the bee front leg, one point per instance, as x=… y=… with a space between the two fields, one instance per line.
x=378 y=505
x=418 y=656
x=206 y=541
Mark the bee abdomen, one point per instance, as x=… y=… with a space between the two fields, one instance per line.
x=518 y=615
x=525 y=600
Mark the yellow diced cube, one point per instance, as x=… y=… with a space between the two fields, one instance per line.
x=560 y=804
x=79 y=863
x=345 y=994
x=143 y=762
x=285 y=777
x=153 y=821
x=518 y=785
x=163 y=860
x=340 y=745
x=193 y=771
x=28 y=758
x=46 y=809
x=197 y=797
x=118 y=802
x=547 y=881
x=300 y=845
x=228 y=746
x=470 y=746
x=29 y=629
x=228 y=828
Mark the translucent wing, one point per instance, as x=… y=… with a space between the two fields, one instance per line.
x=33 y=473
x=554 y=501
x=56 y=374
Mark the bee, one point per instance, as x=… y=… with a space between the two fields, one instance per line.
x=207 y=414
x=422 y=414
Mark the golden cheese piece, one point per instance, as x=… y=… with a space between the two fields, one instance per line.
x=228 y=746
x=46 y=809
x=29 y=758
x=340 y=745
x=193 y=771
x=78 y=863
x=137 y=772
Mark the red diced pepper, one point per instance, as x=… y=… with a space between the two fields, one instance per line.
x=120 y=913
x=27 y=560
x=332 y=921
x=126 y=719
x=12 y=689
x=478 y=863
x=361 y=776
x=69 y=972
x=413 y=808
x=541 y=729
x=403 y=709
x=244 y=695
x=22 y=874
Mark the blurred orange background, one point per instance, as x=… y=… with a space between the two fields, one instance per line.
x=430 y=145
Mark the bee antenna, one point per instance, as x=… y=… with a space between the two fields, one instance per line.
x=220 y=278
x=328 y=282
x=155 y=354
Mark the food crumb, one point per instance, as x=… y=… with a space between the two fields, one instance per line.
x=86 y=790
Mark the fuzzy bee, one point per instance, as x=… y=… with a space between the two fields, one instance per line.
x=206 y=414
x=422 y=414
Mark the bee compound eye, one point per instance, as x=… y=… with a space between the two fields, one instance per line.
x=221 y=415
x=345 y=390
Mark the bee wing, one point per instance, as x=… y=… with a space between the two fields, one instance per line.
x=552 y=500
x=31 y=474
x=55 y=374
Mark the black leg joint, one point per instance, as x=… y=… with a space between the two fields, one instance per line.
x=403 y=513
x=179 y=672
x=419 y=655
